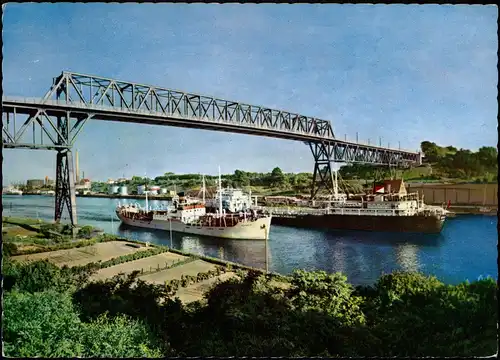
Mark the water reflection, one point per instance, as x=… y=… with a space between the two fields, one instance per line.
x=364 y=256
x=407 y=257
x=338 y=264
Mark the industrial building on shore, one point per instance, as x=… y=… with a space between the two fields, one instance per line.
x=83 y=185
x=36 y=184
x=118 y=190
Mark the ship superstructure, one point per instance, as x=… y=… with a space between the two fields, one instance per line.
x=233 y=200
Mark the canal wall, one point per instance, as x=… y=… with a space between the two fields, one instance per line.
x=458 y=194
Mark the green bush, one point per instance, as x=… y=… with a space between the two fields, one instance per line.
x=9 y=249
x=37 y=276
x=85 y=231
x=46 y=324
x=401 y=286
x=411 y=314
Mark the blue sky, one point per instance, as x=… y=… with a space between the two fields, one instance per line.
x=403 y=73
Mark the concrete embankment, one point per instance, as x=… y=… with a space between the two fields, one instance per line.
x=465 y=195
x=473 y=210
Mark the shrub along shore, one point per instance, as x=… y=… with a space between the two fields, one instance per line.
x=55 y=311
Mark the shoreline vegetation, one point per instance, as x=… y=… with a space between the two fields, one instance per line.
x=101 y=295
x=441 y=165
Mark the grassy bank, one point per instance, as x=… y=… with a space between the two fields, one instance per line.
x=53 y=311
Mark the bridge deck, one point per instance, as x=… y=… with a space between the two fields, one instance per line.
x=79 y=110
x=83 y=97
x=142 y=116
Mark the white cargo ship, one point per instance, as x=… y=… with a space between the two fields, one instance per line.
x=190 y=216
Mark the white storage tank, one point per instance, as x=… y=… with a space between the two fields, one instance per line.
x=164 y=190
x=141 y=189
x=113 y=189
x=123 y=190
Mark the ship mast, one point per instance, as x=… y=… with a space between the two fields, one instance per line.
x=335 y=185
x=220 y=193
x=203 y=189
x=146 y=192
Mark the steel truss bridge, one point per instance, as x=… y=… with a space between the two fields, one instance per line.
x=55 y=120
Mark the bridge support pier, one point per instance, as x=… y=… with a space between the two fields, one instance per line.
x=65 y=187
x=322 y=176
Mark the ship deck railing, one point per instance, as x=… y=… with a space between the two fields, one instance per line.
x=281 y=211
x=291 y=211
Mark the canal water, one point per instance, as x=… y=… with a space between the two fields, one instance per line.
x=466 y=249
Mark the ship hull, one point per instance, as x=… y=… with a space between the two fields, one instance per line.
x=417 y=223
x=255 y=230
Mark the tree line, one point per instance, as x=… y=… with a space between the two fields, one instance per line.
x=445 y=161
x=241 y=179
x=461 y=163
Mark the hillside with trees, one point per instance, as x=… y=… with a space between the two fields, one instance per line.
x=274 y=181
x=462 y=163
x=439 y=163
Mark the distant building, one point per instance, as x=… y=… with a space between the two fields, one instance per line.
x=35 y=183
x=49 y=182
x=110 y=181
x=121 y=180
x=141 y=189
x=154 y=190
x=85 y=184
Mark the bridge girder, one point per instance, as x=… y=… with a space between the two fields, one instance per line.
x=325 y=153
x=90 y=90
x=74 y=98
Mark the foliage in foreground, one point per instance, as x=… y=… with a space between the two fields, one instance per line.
x=46 y=324
x=313 y=314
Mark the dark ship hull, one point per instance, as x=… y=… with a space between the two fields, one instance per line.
x=416 y=223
